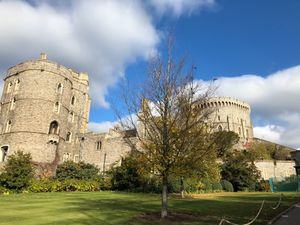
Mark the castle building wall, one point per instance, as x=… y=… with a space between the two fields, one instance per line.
x=35 y=94
x=230 y=114
x=278 y=169
x=104 y=150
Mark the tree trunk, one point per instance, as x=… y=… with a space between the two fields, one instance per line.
x=164 y=197
x=182 y=187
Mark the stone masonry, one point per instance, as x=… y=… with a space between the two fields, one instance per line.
x=45 y=108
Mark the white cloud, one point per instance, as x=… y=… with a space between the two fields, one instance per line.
x=269 y=132
x=101 y=127
x=274 y=100
x=178 y=7
x=98 y=37
x=127 y=122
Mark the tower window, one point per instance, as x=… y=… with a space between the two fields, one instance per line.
x=9 y=86
x=17 y=84
x=66 y=156
x=219 y=118
x=56 y=107
x=3 y=153
x=73 y=100
x=8 y=126
x=59 y=88
x=98 y=145
x=240 y=131
x=13 y=104
x=76 y=158
x=54 y=128
x=69 y=137
x=71 y=117
x=220 y=128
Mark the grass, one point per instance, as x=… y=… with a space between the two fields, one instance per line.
x=111 y=208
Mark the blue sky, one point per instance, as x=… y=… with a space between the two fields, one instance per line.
x=252 y=46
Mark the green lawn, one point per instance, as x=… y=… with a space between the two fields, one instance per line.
x=124 y=208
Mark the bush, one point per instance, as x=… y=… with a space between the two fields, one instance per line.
x=18 y=172
x=78 y=171
x=66 y=185
x=227 y=186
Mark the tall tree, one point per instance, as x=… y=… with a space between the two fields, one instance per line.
x=173 y=135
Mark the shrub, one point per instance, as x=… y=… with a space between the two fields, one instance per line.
x=227 y=186
x=66 y=185
x=78 y=171
x=18 y=172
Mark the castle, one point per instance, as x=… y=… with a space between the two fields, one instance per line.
x=45 y=111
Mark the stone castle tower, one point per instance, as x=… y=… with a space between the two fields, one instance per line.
x=231 y=115
x=44 y=107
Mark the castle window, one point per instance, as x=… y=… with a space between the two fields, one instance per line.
x=13 y=104
x=8 y=126
x=73 y=100
x=9 y=86
x=59 y=88
x=219 y=118
x=220 y=128
x=54 y=128
x=240 y=131
x=69 y=137
x=98 y=145
x=3 y=153
x=76 y=158
x=17 y=84
x=56 y=107
x=71 y=117
x=66 y=156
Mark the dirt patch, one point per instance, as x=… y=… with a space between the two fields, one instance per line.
x=172 y=216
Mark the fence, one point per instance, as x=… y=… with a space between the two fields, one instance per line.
x=289 y=184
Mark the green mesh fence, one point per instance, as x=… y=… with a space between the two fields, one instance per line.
x=289 y=184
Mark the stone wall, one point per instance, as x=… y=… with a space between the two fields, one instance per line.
x=35 y=94
x=275 y=169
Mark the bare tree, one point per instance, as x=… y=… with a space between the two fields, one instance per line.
x=172 y=130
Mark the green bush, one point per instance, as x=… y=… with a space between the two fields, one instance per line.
x=78 y=171
x=66 y=185
x=227 y=186
x=217 y=187
x=18 y=172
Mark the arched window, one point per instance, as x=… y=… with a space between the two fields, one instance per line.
x=54 y=128
x=9 y=86
x=13 y=104
x=66 y=156
x=220 y=128
x=98 y=145
x=73 y=100
x=71 y=117
x=8 y=126
x=56 y=107
x=17 y=84
x=59 y=88
x=3 y=153
x=69 y=137
x=219 y=118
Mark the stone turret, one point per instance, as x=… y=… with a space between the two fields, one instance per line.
x=44 y=106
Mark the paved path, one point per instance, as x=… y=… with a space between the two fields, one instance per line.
x=292 y=217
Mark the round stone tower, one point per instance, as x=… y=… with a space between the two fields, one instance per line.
x=44 y=106
x=230 y=114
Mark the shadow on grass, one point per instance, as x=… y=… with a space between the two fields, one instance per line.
x=110 y=208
